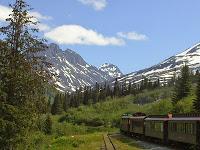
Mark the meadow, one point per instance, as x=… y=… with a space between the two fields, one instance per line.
x=83 y=127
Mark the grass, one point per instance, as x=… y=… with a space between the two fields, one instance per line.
x=123 y=143
x=82 y=128
x=73 y=142
x=81 y=142
x=108 y=113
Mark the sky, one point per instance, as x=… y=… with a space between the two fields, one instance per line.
x=132 y=34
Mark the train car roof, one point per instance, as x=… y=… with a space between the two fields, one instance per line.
x=184 y=118
x=174 y=119
x=138 y=117
x=156 y=119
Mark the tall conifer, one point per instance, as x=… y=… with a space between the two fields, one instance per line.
x=196 y=102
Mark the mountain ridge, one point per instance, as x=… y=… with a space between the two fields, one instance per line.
x=71 y=70
x=166 y=69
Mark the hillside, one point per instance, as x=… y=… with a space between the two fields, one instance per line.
x=82 y=127
x=72 y=71
x=166 y=69
x=111 y=69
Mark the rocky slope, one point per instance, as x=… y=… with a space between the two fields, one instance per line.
x=72 y=71
x=167 y=68
x=111 y=69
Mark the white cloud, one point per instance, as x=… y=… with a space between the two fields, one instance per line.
x=40 y=16
x=96 y=4
x=76 y=34
x=5 y=11
x=132 y=36
x=43 y=27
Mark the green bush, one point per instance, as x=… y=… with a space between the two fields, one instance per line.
x=160 y=107
x=184 y=105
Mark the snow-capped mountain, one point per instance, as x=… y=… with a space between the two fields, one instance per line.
x=71 y=70
x=168 y=68
x=111 y=69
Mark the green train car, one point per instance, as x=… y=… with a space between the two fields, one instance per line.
x=184 y=130
x=180 y=128
x=137 y=125
x=156 y=128
x=125 y=124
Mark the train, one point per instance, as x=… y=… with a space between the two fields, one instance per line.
x=170 y=128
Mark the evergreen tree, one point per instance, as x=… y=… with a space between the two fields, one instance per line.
x=134 y=89
x=108 y=91
x=96 y=93
x=124 y=89
x=22 y=77
x=172 y=81
x=48 y=125
x=116 y=91
x=129 y=88
x=86 y=96
x=196 y=102
x=57 y=107
x=66 y=103
x=197 y=73
x=182 y=85
x=146 y=81
x=102 y=95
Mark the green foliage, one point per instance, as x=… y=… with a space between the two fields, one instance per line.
x=162 y=107
x=14 y=125
x=57 y=107
x=196 y=103
x=185 y=105
x=149 y=96
x=182 y=85
x=116 y=91
x=67 y=141
x=78 y=127
x=48 y=125
x=22 y=77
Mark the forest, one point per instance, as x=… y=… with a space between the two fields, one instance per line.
x=30 y=119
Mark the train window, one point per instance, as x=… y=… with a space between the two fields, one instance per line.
x=181 y=127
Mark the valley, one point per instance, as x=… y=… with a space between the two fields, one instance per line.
x=53 y=99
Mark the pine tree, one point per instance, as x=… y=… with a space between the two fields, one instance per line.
x=146 y=82
x=86 y=96
x=57 y=107
x=196 y=101
x=66 y=102
x=23 y=77
x=108 y=91
x=102 y=95
x=96 y=93
x=133 y=89
x=116 y=91
x=48 y=125
x=182 y=85
x=197 y=73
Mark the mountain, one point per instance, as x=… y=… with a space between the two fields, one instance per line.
x=167 y=68
x=71 y=69
x=111 y=69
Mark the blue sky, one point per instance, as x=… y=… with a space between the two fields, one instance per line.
x=132 y=34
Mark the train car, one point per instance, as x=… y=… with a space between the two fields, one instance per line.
x=125 y=124
x=184 y=129
x=137 y=125
x=156 y=127
x=179 y=128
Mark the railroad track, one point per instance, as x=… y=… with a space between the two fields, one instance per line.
x=107 y=143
